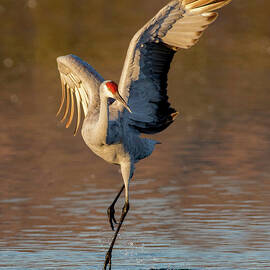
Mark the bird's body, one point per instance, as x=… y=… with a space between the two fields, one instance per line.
x=119 y=143
x=115 y=116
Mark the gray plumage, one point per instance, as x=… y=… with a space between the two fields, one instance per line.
x=109 y=129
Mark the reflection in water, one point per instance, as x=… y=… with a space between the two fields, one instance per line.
x=201 y=201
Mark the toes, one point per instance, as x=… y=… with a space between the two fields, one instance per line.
x=111 y=217
x=111 y=223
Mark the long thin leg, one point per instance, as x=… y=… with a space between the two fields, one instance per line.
x=111 y=210
x=127 y=169
x=108 y=258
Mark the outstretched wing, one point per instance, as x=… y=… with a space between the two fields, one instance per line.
x=144 y=77
x=79 y=80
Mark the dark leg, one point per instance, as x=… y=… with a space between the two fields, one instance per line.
x=111 y=210
x=108 y=258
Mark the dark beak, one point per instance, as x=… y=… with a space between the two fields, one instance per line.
x=121 y=100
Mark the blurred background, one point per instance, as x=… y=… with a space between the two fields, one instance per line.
x=200 y=201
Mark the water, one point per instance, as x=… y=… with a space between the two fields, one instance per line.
x=201 y=201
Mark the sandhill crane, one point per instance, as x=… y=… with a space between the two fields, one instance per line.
x=115 y=116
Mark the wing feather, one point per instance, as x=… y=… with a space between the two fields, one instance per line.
x=80 y=81
x=143 y=82
x=198 y=3
x=207 y=8
x=78 y=100
x=67 y=104
x=71 y=109
x=63 y=97
x=197 y=15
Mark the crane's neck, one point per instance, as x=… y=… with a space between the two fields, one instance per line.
x=102 y=124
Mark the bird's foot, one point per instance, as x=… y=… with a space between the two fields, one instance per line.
x=111 y=216
x=108 y=260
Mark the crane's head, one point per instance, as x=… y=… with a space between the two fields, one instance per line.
x=111 y=90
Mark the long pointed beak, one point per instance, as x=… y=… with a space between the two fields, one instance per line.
x=121 y=100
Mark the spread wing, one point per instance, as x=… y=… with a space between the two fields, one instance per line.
x=144 y=77
x=79 y=80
